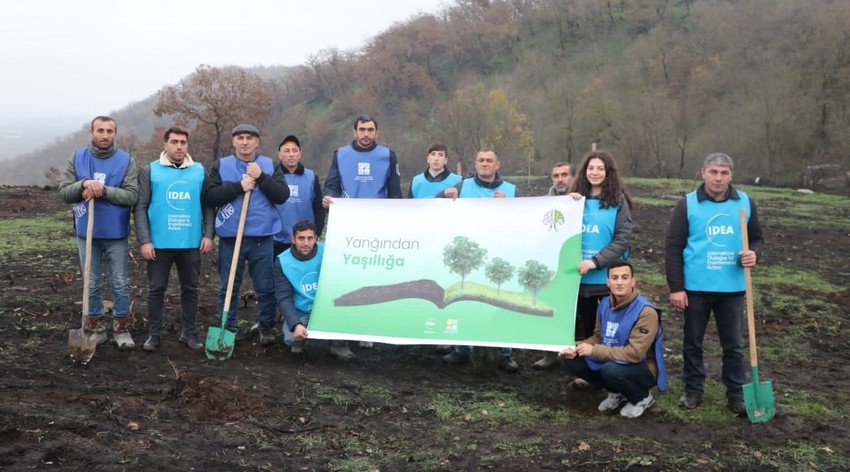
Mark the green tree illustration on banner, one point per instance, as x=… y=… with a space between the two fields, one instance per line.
x=499 y=271
x=534 y=275
x=462 y=256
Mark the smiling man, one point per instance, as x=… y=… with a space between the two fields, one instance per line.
x=625 y=355
x=229 y=180
x=705 y=264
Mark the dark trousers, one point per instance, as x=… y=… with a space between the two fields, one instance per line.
x=258 y=253
x=586 y=316
x=728 y=314
x=631 y=380
x=188 y=262
x=280 y=247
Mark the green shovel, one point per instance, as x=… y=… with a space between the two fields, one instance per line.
x=220 y=340
x=758 y=396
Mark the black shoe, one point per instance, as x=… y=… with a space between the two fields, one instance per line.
x=444 y=348
x=191 y=341
x=266 y=336
x=690 y=400
x=737 y=406
x=508 y=365
x=455 y=357
x=152 y=343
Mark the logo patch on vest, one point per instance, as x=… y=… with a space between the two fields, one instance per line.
x=611 y=329
x=364 y=168
x=100 y=177
x=177 y=195
x=293 y=191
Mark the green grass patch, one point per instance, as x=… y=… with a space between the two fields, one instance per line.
x=36 y=234
x=493 y=408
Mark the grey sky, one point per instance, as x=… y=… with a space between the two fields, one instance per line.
x=84 y=57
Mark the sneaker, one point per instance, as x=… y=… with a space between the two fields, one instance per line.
x=634 y=411
x=508 y=365
x=266 y=336
x=546 y=362
x=455 y=357
x=152 y=343
x=191 y=341
x=96 y=327
x=366 y=344
x=737 y=406
x=444 y=348
x=342 y=353
x=121 y=333
x=612 y=402
x=690 y=400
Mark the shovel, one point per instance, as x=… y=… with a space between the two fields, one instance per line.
x=758 y=396
x=82 y=345
x=220 y=340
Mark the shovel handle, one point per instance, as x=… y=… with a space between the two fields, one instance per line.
x=751 y=322
x=87 y=263
x=235 y=260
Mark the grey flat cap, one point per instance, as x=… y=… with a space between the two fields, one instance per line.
x=242 y=129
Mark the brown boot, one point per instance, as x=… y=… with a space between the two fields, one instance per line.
x=547 y=361
x=96 y=327
x=121 y=332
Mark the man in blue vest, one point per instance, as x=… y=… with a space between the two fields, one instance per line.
x=486 y=183
x=363 y=169
x=625 y=355
x=436 y=177
x=296 y=278
x=229 y=180
x=705 y=264
x=109 y=175
x=305 y=194
x=173 y=229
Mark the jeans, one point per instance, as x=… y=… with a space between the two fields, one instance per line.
x=288 y=337
x=728 y=311
x=188 y=262
x=115 y=251
x=258 y=252
x=467 y=350
x=633 y=381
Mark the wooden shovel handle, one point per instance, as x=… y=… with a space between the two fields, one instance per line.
x=236 y=247
x=87 y=263
x=751 y=322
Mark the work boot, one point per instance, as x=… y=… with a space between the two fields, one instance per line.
x=690 y=400
x=342 y=352
x=578 y=384
x=508 y=365
x=191 y=340
x=737 y=406
x=366 y=344
x=636 y=410
x=121 y=333
x=95 y=326
x=444 y=348
x=455 y=357
x=548 y=360
x=612 y=402
x=266 y=336
x=152 y=343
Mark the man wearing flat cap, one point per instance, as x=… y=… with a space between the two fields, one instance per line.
x=230 y=180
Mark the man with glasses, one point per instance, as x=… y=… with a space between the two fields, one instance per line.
x=363 y=169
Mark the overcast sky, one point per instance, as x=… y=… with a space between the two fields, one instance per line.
x=84 y=57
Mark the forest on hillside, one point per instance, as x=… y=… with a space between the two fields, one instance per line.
x=659 y=83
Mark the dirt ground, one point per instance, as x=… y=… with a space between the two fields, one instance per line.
x=268 y=409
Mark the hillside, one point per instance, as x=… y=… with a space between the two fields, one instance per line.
x=660 y=83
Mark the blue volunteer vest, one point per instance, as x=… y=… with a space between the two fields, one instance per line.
x=111 y=221
x=303 y=276
x=597 y=232
x=714 y=242
x=175 y=217
x=364 y=174
x=470 y=189
x=299 y=205
x=421 y=187
x=260 y=220
x=617 y=325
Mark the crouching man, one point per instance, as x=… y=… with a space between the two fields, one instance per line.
x=625 y=354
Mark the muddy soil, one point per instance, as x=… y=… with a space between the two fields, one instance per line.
x=268 y=409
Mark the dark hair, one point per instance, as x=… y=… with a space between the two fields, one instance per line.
x=175 y=130
x=103 y=118
x=304 y=225
x=562 y=164
x=438 y=147
x=622 y=263
x=488 y=149
x=613 y=189
x=364 y=119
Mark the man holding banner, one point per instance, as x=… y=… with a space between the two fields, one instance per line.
x=486 y=183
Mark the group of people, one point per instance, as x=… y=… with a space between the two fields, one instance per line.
x=179 y=207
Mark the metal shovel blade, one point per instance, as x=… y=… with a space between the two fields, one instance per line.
x=81 y=345
x=758 y=398
x=220 y=342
